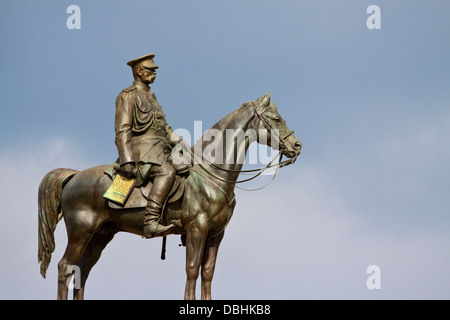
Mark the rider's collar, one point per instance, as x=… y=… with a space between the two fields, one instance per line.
x=141 y=86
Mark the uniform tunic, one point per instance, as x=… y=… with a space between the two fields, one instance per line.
x=142 y=133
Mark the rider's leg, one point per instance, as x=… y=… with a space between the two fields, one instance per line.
x=164 y=177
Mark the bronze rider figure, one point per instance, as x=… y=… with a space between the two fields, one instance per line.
x=144 y=141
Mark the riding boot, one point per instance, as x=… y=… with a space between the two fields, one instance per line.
x=152 y=228
x=156 y=198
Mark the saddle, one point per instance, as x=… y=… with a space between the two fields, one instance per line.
x=139 y=195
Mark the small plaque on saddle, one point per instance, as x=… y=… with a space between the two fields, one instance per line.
x=120 y=189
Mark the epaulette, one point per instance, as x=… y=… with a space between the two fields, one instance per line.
x=132 y=87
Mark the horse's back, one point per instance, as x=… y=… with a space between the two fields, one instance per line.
x=84 y=192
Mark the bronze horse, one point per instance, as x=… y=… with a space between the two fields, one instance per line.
x=201 y=214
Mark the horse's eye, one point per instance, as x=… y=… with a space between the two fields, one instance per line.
x=276 y=118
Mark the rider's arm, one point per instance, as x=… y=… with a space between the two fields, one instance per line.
x=173 y=138
x=123 y=126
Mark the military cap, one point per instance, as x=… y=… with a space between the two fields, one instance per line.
x=144 y=61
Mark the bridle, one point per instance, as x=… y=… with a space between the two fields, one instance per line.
x=268 y=126
x=280 y=164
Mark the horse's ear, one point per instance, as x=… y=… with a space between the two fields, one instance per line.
x=264 y=101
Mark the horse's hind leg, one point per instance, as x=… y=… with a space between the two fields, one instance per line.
x=68 y=265
x=90 y=257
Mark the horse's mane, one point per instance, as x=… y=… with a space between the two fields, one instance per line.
x=222 y=123
x=225 y=120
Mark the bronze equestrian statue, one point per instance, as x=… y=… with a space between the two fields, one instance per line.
x=197 y=203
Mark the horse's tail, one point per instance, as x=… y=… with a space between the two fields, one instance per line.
x=49 y=199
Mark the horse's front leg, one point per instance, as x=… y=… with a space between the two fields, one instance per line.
x=209 y=264
x=196 y=235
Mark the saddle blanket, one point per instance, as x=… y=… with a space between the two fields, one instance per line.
x=138 y=197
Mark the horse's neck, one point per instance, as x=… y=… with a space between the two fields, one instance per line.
x=227 y=142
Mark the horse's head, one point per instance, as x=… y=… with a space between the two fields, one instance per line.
x=273 y=128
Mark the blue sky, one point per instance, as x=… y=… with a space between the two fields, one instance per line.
x=371 y=108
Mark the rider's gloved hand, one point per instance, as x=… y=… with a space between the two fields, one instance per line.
x=128 y=170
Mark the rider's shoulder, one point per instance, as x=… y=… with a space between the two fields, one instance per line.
x=130 y=88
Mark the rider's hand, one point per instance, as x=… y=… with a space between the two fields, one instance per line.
x=128 y=170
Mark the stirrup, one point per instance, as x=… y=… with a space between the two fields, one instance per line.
x=151 y=231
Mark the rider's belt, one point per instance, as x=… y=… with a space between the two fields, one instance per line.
x=152 y=132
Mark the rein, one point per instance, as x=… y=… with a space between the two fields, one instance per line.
x=259 y=171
